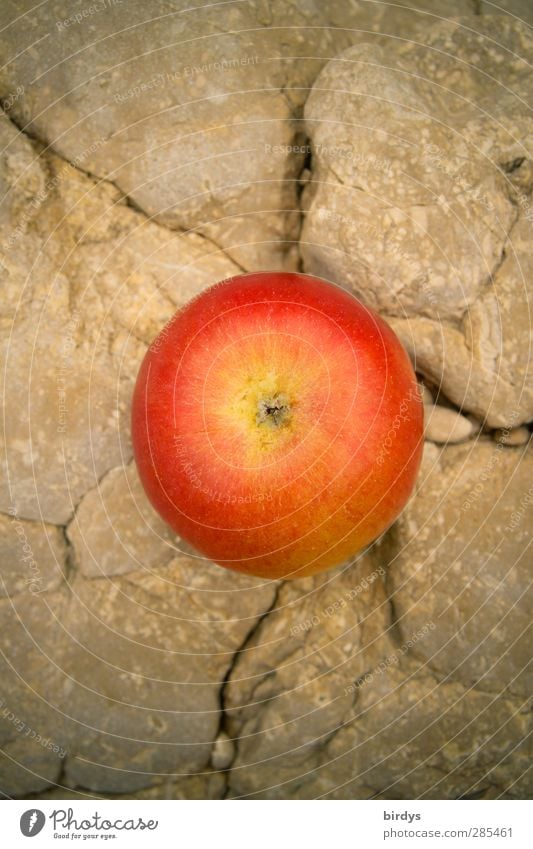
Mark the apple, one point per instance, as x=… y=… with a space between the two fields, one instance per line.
x=277 y=424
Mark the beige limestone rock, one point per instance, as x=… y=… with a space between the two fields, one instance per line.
x=514 y=437
x=116 y=530
x=90 y=282
x=32 y=556
x=520 y=9
x=406 y=736
x=402 y=675
x=426 y=394
x=27 y=767
x=181 y=107
x=439 y=707
x=458 y=556
x=223 y=751
x=409 y=211
x=33 y=739
x=445 y=426
x=122 y=674
x=294 y=683
x=206 y=785
x=144 y=666
x=435 y=740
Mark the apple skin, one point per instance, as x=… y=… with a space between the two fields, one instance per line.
x=277 y=424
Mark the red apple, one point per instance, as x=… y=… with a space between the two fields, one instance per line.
x=277 y=424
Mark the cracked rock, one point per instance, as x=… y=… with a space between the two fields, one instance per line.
x=145 y=154
x=435 y=740
x=309 y=713
x=122 y=675
x=294 y=682
x=89 y=283
x=33 y=744
x=200 y=131
x=32 y=556
x=485 y=364
x=116 y=530
x=408 y=736
x=207 y=785
x=515 y=436
x=143 y=669
x=458 y=557
x=409 y=211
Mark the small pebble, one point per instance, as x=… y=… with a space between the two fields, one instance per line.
x=426 y=394
x=305 y=176
x=477 y=426
x=223 y=751
x=443 y=425
x=516 y=436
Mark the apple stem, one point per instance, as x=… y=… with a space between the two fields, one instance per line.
x=273 y=411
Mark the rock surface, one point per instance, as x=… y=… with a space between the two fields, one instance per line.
x=436 y=740
x=454 y=631
x=295 y=683
x=163 y=150
x=207 y=785
x=115 y=529
x=32 y=556
x=515 y=436
x=223 y=752
x=445 y=426
x=468 y=529
x=157 y=644
x=32 y=733
x=200 y=130
x=412 y=214
x=123 y=675
x=89 y=283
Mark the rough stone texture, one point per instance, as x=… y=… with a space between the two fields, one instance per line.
x=148 y=653
x=90 y=282
x=435 y=740
x=293 y=685
x=442 y=425
x=180 y=106
x=515 y=436
x=520 y=9
x=116 y=530
x=207 y=785
x=132 y=668
x=426 y=394
x=223 y=751
x=468 y=531
x=410 y=211
x=32 y=556
x=485 y=366
x=123 y=675
x=369 y=721
x=30 y=681
x=409 y=736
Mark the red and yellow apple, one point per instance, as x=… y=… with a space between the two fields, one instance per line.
x=277 y=424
